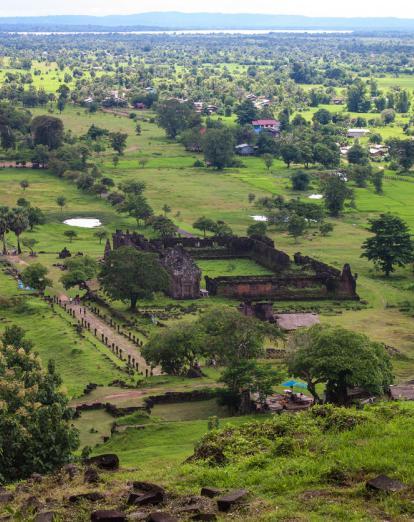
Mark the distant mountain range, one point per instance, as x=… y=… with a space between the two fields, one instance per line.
x=176 y=21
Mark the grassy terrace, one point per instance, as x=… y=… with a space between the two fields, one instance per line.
x=191 y=192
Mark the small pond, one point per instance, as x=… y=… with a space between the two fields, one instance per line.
x=83 y=222
x=316 y=196
x=259 y=218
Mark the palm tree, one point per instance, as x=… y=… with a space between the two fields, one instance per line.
x=61 y=202
x=4 y=226
x=19 y=222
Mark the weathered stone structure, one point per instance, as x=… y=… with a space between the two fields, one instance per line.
x=302 y=278
x=185 y=276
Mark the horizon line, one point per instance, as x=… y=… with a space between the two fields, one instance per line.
x=242 y=13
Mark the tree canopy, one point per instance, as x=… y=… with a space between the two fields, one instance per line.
x=341 y=359
x=128 y=275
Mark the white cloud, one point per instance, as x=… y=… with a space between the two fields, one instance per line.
x=350 y=8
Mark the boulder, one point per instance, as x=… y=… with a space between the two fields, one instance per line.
x=204 y=516
x=210 y=492
x=32 y=504
x=108 y=516
x=109 y=461
x=71 y=470
x=6 y=497
x=144 y=499
x=147 y=486
x=385 y=484
x=91 y=475
x=93 y=496
x=160 y=516
x=227 y=501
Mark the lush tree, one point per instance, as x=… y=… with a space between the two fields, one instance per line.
x=336 y=193
x=257 y=229
x=231 y=336
x=402 y=151
x=357 y=98
x=296 y=226
x=218 y=146
x=174 y=117
x=246 y=112
x=341 y=359
x=205 y=224
x=30 y=243
x=176 y=349
x=136 y=206
x=390 y=245
x=118 y=141
x=24 y=184
x=79 y=270
x=360 y=174
x=290 y=153
x=162 y=225
x=402 y=101
x=35 y=217
x=327 y=155
x=40 y=156
x=377 y=179
x=70 y=234
x=35 y=277
x=61 y=202
x=357 y=155
x=268 y=160
x=322 y=116
x=388 y=116
x=35 y=430
x=5 y=216
x=300 y=180
x=101 y=234
x=128 y=275
x=326 y=228
x=132 y=187
x=23 y=202
x=48 y=131
x=18 y=223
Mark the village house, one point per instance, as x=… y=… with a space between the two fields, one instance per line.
x=358 y=133
x=245 y=149
x=378 y=151
x=272 y=126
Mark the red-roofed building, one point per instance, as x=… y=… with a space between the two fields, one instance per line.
x=272 y=126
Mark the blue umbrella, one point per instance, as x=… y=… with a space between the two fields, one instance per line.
x=293 y=383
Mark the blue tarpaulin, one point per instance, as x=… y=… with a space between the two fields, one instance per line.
x=296 y=384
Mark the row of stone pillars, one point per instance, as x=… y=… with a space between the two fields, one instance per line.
x=132 y=338
x=119 y=352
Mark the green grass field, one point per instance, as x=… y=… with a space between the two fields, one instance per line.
x=194 y=192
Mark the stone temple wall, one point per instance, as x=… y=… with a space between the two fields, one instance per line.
x=311 y=280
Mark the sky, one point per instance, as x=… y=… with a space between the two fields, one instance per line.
x=348 y=8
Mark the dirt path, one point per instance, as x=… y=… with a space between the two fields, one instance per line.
x=120 y=345
x=15 y=260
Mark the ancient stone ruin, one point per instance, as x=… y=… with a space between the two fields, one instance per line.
x=302 y=278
